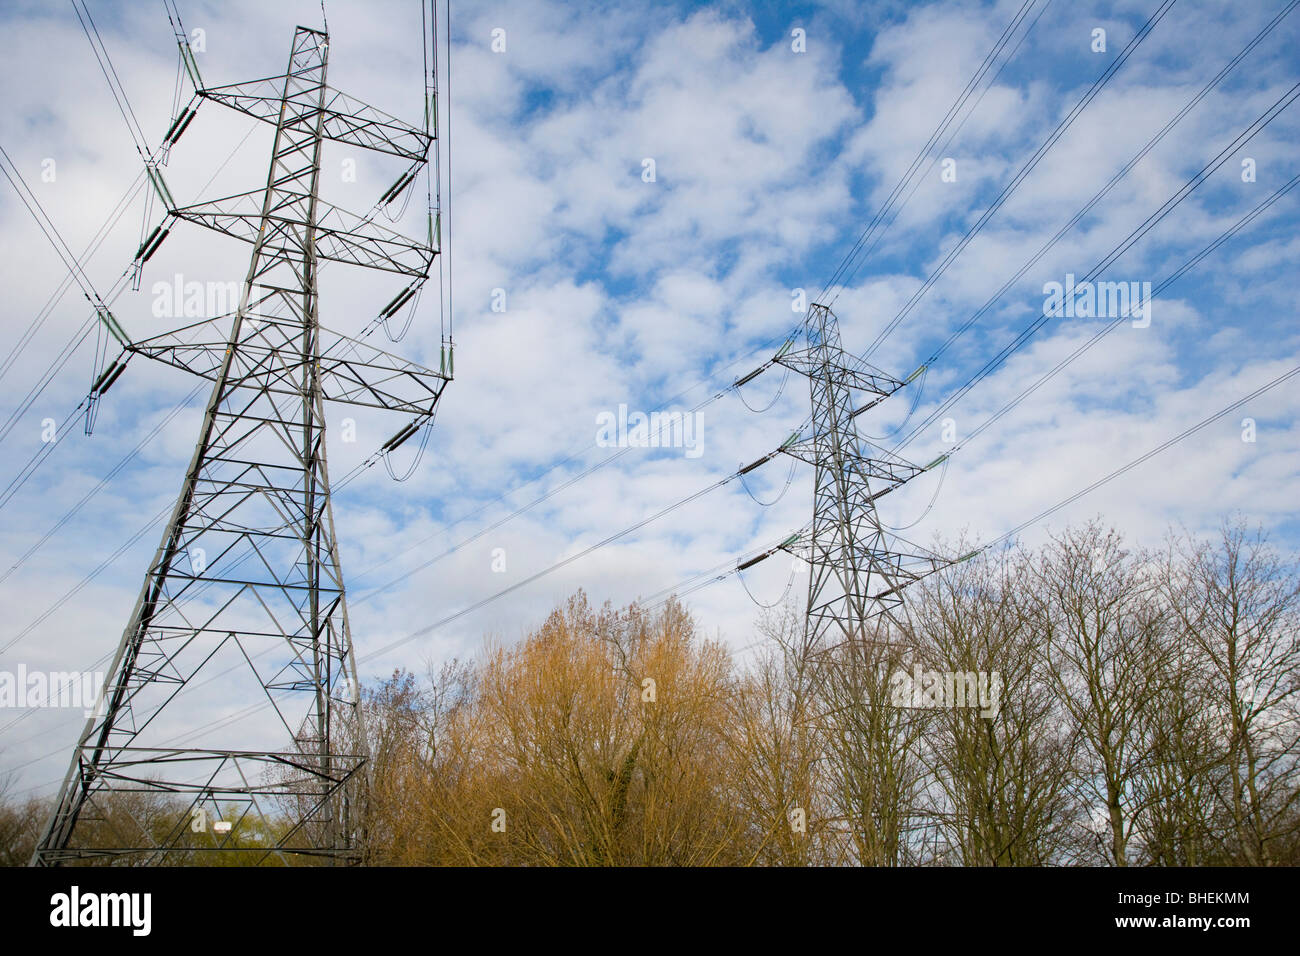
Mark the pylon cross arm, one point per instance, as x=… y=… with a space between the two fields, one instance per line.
x=346 y=119
x=891 y=472
x=341 y=236
x=350 y=370
x=859 y=375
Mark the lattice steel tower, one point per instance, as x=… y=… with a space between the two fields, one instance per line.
x=855 y=576
x=247 y=580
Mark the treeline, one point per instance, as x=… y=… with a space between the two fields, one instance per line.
x=1079 y=704
x=1082 y=703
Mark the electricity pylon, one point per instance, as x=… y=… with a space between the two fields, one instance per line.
x=247 y=579
x=855 y=576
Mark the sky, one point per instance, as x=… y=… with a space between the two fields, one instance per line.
x=580 y=284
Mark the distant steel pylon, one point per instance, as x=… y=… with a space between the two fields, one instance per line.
x=247 y=577
x=855 y=576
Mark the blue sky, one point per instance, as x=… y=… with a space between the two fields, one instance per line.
x=769 y=163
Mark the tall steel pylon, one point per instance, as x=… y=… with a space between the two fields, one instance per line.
x=247 y=579
x=855 y=576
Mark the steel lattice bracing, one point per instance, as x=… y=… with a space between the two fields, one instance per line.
x=855 y=575
x=246 y=591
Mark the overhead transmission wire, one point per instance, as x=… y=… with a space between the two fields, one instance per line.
x=1114 y=181
x=940 y=152
x=1010 y=187
x=451 y=277
x=545 y=496
x=953 y=111
x=47 y=227
x=1125 y=314
x=262 y=705
x=92 y=246
x=115 y=86
x=1043 y=250
x=677 y=591
x=76 y=271
x=549 y=570
x=1115 y=253
x=1142 y=459
x=882 y=216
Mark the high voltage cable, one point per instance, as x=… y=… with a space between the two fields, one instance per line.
x=103 y=482
x=953 y=111
x=48 y=228
x=1124 y=469
x=91 y=247
x=1124 y=316
x=1123 y=246
x=114 y=82
x=938 y=131
x=45 y=451
x=1114 y=180
x=940 y=152
x=1043 y=148
x=613 y=456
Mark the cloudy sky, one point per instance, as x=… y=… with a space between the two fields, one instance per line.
x=581 y=283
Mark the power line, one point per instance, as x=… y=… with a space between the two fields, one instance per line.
x=1043 y=148
x=1118 y=250
x=114 y=81
x=1163 y=446
x=854 y=254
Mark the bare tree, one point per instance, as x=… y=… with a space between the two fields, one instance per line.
x=1001 y=768
x=1239 y=607
x=1097 y=608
